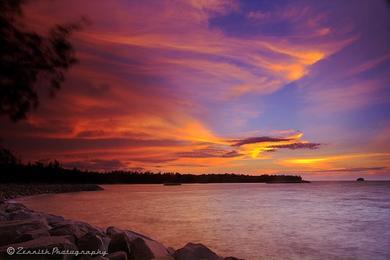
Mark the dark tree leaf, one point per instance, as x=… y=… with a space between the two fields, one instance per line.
x=29 y=60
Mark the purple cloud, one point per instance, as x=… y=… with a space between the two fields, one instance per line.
x=261 y=139
x=295 y=146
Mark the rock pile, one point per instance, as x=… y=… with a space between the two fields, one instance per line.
x=28 y=232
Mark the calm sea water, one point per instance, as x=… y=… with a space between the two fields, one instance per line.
x=320 y=220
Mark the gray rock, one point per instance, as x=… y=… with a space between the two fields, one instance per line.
x=67 y=229
x=13 y=206
x=113 y=230
x=193 y=251
x=106 y=242
x=136 y=245
x=120 y=242
x=24 y=215
x=13 y=229
x=110 y=231
x=33 y=234
x=158 y=250
x=53 y=219
x=92 y=242
x=73 y=228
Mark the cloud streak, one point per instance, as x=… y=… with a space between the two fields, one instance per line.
x=261 y=139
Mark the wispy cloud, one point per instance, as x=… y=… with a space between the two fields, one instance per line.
x=295 y=146
x=261 y=139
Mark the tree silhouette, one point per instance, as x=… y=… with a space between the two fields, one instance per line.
x=8 y=158
x=29 y=59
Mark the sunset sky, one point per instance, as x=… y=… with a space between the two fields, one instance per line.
x=196 y=86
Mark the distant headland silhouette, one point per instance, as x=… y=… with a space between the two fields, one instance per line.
x=13 y=171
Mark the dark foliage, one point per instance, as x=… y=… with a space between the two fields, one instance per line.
x=29 y=59
x=7 y=158
x=54 y=173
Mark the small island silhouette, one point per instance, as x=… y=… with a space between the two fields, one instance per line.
x=360 y=179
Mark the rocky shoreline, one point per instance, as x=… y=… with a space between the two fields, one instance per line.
x=11 y=191
x=27 y=234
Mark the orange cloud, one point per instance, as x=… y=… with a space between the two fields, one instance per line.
x=332 y=162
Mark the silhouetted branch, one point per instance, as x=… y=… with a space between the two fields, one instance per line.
x=29 y=60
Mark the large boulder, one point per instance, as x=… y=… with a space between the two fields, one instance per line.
x=135 y=249
x=54 y=220
x=12 y=230
x=93 y=242
x=25 y=214
x=12 y=206
x=136 y=246
x=193 y=251
x=33 y=234
x=76 y=229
